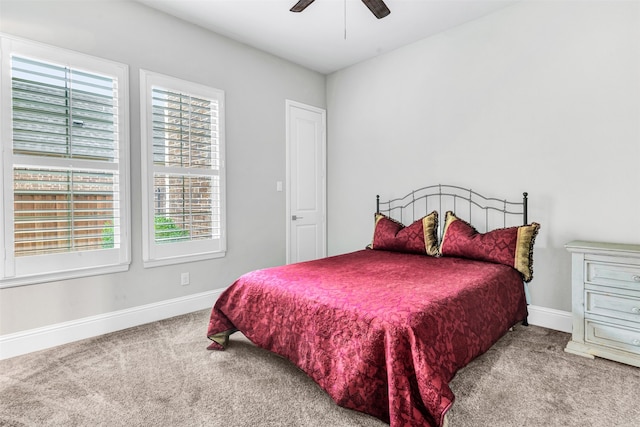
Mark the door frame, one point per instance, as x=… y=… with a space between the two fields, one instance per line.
x=289 y=104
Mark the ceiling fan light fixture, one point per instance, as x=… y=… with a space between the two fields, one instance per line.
x=377 y=7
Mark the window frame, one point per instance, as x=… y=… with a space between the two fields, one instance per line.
x=154 y=254
x=18 y=271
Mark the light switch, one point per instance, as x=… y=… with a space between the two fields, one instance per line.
x=278 y=185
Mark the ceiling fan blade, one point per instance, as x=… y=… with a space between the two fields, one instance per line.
x=301 y=5
x=377 y=7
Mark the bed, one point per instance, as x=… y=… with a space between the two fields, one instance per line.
x=383 y=330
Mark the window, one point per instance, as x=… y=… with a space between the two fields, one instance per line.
x=183 y=170
x=64 y=169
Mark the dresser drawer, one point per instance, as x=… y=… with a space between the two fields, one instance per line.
x=614 y=336
x=613 y=305
x=616 y=275
x=605 y=289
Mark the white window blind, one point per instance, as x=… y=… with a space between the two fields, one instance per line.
x=64 y=163
x=61 y=211
x=62 y=112
x=185 y=180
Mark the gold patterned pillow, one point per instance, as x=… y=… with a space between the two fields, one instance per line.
x=421 y=237
x=511 y=246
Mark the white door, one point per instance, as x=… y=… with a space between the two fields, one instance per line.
x=306 y=182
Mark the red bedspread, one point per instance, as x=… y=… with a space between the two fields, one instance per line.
x=381 y=332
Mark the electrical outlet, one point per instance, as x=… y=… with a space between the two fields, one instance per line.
x=184 y=279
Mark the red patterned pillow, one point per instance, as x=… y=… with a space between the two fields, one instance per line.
x=511 y=246
x=421 y=237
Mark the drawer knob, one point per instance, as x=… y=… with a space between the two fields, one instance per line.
x=636 y=278
x=636 y=342
x=635 y=310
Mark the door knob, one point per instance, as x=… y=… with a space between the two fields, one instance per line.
x=295 y=217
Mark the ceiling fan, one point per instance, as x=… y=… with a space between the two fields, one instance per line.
x=377 y=7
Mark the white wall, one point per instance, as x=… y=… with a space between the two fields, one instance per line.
x=256 y=86
x=542 y=97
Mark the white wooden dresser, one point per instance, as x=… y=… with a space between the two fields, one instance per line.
x=605 y=286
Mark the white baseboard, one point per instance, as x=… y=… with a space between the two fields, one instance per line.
x=550 y=318
x=20 y=343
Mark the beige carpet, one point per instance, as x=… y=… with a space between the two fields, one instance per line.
x=161 y=375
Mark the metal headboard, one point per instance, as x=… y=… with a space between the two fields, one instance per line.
x=474 y=208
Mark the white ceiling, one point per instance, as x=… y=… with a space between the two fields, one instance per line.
x=329 y=34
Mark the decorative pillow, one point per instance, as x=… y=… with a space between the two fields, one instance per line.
x=511 y=246
x=421 y=237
